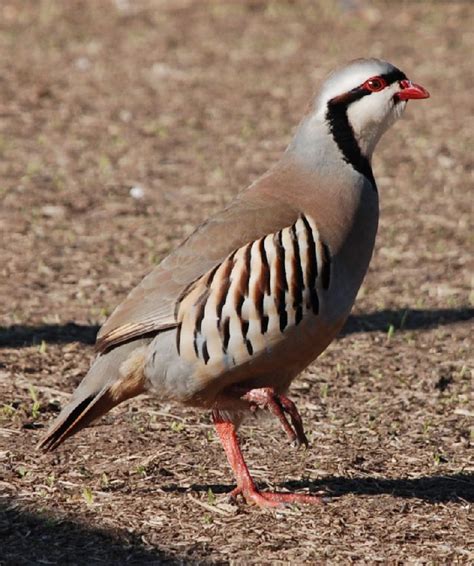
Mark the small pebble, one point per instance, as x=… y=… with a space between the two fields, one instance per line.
x=82 y=63
x=53 y=211
x=137 y=192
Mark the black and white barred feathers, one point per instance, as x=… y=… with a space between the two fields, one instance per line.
x=245 y=303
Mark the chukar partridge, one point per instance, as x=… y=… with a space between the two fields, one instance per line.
x=259 y=290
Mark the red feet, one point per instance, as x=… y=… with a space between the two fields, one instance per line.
x=245 y=485
x=253 y=496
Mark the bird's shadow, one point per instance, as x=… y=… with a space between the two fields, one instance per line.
x=39 y=537
x=405 y=319
x=18 y=336
x=433 y=489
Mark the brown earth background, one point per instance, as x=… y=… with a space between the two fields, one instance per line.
x=189 y=101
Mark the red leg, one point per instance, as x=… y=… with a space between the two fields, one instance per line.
x=245 y=484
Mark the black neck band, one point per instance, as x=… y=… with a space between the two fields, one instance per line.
x=343 y=135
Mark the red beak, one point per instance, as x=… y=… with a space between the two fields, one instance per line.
x=411 y=90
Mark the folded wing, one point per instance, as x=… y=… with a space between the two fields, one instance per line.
x=152 y=305
x=247 y=302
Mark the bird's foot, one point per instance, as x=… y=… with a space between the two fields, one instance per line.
x=245 y=484
x=266 y=398
x=253 y=496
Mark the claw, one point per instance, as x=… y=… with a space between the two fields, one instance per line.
x=266 y=398
x=252 y=495
x=290 y=408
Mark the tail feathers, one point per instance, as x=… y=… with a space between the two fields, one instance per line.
x=77 y=416
x=89 y=403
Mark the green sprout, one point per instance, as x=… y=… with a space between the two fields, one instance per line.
x=35 y=409
x=88 y=495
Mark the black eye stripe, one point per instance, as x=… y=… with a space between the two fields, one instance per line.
x=389 y=78
x=394 y=76
x=360 y=91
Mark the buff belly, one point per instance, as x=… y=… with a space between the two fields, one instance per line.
x=197 y=384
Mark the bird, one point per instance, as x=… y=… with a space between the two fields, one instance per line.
x=259 y=290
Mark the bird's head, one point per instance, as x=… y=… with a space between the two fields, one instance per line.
x=364 y=99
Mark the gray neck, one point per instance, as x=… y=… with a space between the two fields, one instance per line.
x=314 y=146
x=330 y=151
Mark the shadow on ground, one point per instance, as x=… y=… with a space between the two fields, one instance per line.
x=434 y=489
x=42 y=538
x=17 y=336
x=405 y=319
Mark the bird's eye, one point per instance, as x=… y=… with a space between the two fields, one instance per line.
x=375 y=84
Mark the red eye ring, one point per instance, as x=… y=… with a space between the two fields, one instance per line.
x=375 y=84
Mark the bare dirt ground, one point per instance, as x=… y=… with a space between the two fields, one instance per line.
x=191 y=101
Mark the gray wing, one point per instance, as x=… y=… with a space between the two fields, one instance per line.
x=151 y=306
